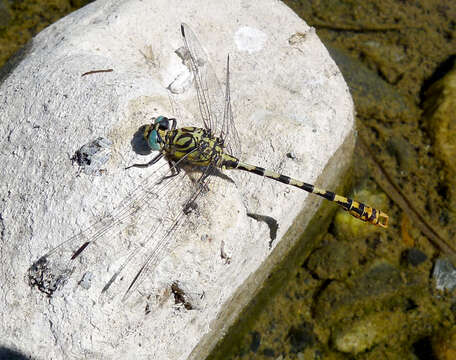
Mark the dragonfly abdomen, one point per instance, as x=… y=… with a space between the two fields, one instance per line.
x=359 y=210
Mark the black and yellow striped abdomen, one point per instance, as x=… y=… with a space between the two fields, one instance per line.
x=355 y=208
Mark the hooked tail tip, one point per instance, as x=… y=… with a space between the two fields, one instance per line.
x=382 y=220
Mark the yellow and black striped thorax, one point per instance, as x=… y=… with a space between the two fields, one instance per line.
x=197 y=145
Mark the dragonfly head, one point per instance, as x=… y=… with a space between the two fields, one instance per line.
x=155 y=132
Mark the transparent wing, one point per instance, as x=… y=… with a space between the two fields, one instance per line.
x=53 y=269
x=231 y=137
x=153 y=256
x=215 y=107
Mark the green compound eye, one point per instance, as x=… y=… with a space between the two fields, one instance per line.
x=153 y=140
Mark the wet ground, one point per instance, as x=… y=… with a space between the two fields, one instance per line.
x=365 y=292
x=20 y=20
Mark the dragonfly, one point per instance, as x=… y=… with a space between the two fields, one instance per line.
x=209 y=148
x=212 y=148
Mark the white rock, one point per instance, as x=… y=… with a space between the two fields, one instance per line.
x=288 y=96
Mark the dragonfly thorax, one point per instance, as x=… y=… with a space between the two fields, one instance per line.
x=196 y=146
x=193 y=145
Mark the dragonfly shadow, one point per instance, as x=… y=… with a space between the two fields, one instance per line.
x=270 y=222
x=12 y=354
x=138 y=142
x=218 y=173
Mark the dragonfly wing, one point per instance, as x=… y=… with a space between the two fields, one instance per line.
x=54 y=268
x=215 y=107
x=154 y=255
x=230 y=134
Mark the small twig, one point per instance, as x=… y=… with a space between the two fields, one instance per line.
x=96 y=71
x=358 y=28
x=395 y=194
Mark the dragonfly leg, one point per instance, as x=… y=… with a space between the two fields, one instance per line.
x=153 y=161
x=174 y=125
x=175 y=170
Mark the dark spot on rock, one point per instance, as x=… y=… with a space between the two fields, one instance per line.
x=413 y=257
x=256 y=341
x=268 y=352
x=423 y=349
x=301 y=337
